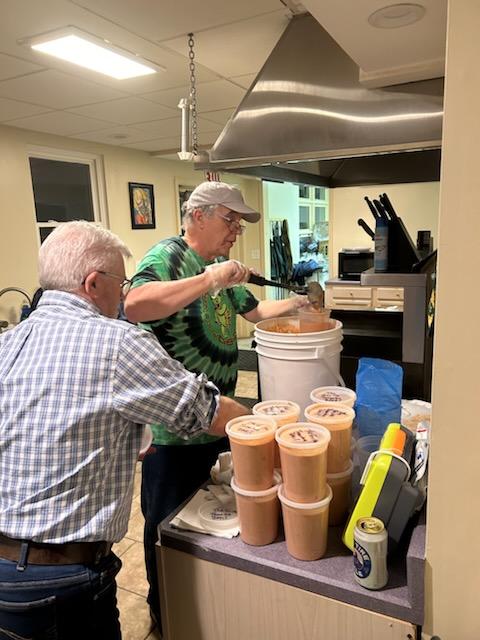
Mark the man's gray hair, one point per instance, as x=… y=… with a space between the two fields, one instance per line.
x=75 y=249
x=187 y=212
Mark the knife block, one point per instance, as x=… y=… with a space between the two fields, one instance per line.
x=402 y=253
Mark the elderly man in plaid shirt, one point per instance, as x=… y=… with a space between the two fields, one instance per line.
x=76 y=386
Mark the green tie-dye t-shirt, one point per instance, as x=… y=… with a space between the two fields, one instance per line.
x=202 y=336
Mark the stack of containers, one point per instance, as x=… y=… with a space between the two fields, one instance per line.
x=283 y=412
x=252 y=442
x=304 y=494
x=338 y=418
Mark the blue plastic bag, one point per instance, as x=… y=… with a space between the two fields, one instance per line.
x=379 y=395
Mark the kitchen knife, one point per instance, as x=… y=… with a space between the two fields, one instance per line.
x=371 y=207
x=380 y=209
x=388 y=206
x=366 y=228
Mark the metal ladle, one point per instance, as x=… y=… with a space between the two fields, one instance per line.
x=313 y=290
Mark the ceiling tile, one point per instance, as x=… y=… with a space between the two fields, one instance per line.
x=220 y=94
x=157 y=144
x=165 y=128
x=157 y=20
x=114 y=135
x=220 y=117
x=380 y=49
x=244 y=45
x=55 y=89
x=126 y=110
x=10 y=109
x=244 y=81
x=59 y=123
x=11 y=67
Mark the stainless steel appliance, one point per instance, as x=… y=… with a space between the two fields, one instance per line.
x=353 y=262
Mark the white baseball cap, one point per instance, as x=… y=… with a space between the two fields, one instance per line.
x=224 y=194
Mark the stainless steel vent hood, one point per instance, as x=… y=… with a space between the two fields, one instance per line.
x=307 y=103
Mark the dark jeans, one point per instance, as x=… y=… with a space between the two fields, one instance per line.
x=169 y=476
x=59 y=602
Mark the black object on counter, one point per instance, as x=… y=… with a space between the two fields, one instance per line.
x=371 y=207
x=381 y=211
x=361 y=223
x=387 y=205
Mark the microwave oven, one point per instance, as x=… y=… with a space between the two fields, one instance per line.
x=353 y=262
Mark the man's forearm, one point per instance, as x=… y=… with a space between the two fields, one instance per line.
x=227 y=410
x=156 y=300
x=273 y=308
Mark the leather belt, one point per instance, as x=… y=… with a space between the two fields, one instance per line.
x=43 y=553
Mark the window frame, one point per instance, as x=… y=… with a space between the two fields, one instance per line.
x=97 y=182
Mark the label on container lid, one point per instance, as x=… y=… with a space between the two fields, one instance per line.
x=301 y=435
x=215 y=516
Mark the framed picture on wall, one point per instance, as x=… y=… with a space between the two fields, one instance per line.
x=142 y=205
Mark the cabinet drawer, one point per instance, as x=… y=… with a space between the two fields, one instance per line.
x=389 y=294
x=348 y=293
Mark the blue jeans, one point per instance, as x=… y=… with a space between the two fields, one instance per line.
x=169 y=476
x=59 y=602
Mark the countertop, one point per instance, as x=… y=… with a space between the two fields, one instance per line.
x=332 y=576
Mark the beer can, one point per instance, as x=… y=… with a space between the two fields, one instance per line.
x=370 y=553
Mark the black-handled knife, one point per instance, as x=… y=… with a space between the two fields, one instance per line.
x=366 y=228
x=371 y=207
x=388 y=206
x=381 y=210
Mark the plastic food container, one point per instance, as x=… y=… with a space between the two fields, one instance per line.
x=215 y=517
x=303 y=451
x=252 y=442
x=283 y=412
x=338 y=419
x=341 y=486
x=306 y=526
x=258 y=512
x=312 y=319
x=334 y=394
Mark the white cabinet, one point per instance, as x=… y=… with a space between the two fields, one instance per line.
x=340 y=295
x=215 y=602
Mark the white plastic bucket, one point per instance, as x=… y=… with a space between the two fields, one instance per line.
x=290 y=365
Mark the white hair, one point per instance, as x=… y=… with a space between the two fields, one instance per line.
x=187 y=212
x=75 y=249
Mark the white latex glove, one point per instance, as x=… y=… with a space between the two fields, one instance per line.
x=298 y=301
x=226 y=274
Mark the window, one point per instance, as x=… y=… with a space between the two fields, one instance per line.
x=304 y=216
x=303 y=191
x=66 y=187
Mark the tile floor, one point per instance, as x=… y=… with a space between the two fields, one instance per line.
x=132 y=580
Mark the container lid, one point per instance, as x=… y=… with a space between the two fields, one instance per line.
x=276 y=408
x=322 y=433
x=329 y=412
x=305 y=505
x=216 y=517
x=254 y=427
x=333 y=394
x=277 y=479
x=341 y=474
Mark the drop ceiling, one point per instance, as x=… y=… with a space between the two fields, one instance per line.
x=233 y=40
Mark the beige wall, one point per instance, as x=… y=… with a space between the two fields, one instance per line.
x=416 y=204
x=18 y=236
x=453 y=565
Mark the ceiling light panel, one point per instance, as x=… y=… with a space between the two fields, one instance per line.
x=92 y=53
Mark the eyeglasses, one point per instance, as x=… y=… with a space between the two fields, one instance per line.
x=125 y=283
x=233 y=224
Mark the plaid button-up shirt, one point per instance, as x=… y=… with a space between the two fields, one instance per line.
x=75 y=388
